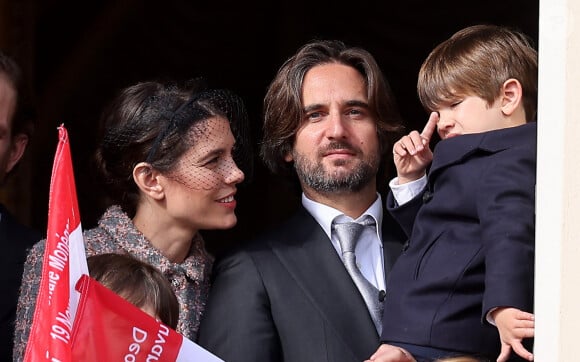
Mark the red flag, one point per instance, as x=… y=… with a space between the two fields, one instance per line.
x=106 y=327
x=109 y=328
x=64 y=262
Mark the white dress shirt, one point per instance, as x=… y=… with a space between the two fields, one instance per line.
x=406 y=192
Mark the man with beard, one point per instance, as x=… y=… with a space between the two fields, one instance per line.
x=287 y=296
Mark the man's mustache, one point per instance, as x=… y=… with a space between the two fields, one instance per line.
x=336 y=145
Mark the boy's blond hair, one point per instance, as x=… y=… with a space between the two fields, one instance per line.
x=477 y=61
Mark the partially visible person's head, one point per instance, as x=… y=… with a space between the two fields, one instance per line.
x=16 y=124
x=188 y=135
x=285 y=111
x=477 y=61
x=139 y=283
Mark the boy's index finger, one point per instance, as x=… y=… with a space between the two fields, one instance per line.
x=430 y=127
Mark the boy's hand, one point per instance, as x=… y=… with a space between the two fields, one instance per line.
x=513 y=325
x=389 y=353
x=412 y=154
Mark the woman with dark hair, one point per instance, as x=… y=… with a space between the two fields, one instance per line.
x=167 y=157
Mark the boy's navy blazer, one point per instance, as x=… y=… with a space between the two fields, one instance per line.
x=471 y=243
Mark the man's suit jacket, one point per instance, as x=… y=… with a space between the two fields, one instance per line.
x=288 y=297
x=15 y=240
x=471 y=243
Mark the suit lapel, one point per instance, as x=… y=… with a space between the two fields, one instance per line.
x=456 y=149
x=319 y=272
x=453 y=150
x=393 y=240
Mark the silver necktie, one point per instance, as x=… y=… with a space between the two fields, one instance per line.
x=348 y=235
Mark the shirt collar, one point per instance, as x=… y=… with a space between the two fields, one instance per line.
x=325 y=215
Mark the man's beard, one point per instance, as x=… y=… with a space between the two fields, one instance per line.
x=313 y=174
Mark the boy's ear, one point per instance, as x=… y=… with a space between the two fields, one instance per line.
x=147 y=179
x=511 y=96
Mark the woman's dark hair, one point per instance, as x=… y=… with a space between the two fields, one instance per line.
x=149 y=122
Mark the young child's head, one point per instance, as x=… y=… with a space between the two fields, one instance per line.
x=477 y=61
x=137 y=282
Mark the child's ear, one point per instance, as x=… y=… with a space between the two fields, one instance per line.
x=511 y=96
x=147 y=179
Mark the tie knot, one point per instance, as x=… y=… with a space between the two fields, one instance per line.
x=348 y=233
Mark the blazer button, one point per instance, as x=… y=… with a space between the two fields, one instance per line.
x=427 y=196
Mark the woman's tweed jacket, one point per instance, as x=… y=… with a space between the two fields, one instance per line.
x=116 y=233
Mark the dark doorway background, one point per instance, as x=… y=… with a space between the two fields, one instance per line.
x=85 y=51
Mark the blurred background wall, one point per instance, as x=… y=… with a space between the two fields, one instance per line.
x=77 y=54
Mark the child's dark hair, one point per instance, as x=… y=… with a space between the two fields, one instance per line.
x=151 y=122
x=138 y=282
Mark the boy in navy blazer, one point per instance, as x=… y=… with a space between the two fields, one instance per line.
x=465 y=282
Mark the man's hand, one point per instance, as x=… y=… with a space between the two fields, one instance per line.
x=513 y=325
x=412 y=154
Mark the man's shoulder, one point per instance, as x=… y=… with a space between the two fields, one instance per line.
x=17 y=240
x=295 y=229
x=14 y=229
x=299 y=223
